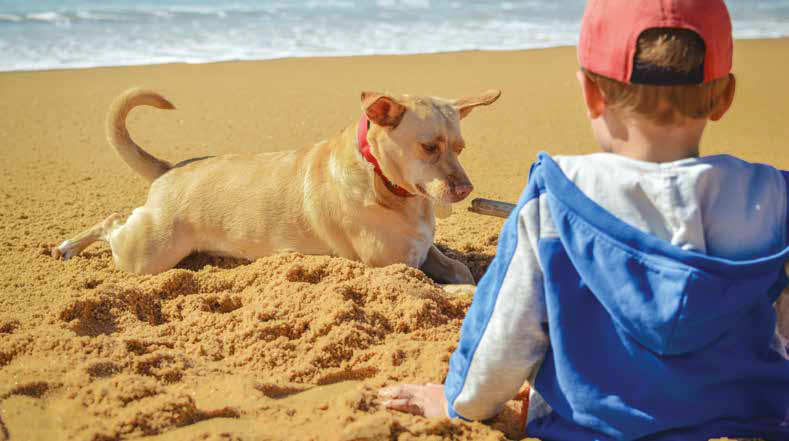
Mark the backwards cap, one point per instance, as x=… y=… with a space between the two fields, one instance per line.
x=610 y=31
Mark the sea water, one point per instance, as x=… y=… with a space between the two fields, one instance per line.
x=47 y=34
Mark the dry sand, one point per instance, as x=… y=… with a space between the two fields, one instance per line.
x=290 y=347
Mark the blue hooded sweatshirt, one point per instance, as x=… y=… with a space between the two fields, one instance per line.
x=637 y=300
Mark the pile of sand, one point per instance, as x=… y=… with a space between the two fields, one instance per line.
x=303 y=341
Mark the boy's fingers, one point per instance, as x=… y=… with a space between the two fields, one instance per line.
x=389 y=392
x=404 y=405
x=399 y=391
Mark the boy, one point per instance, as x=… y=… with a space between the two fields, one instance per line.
x=633 y=290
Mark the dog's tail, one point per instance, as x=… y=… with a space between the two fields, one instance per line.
x=142 y=162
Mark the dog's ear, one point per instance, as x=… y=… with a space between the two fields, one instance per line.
x=465 y=105
x=382 y=109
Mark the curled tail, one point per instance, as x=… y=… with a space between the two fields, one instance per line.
x=142 y=162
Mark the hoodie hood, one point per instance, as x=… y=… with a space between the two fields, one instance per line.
x=670 y=300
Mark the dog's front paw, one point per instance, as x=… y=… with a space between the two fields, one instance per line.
x=461 y=275
x=64 y=251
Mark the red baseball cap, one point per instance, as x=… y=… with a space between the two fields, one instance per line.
x=610 y=31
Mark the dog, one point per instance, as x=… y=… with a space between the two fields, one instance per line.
x=369 y=194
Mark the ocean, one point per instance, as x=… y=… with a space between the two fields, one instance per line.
x=48 y=34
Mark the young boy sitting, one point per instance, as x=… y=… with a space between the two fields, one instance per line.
x=634 y=289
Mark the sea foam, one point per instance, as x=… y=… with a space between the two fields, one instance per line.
x=48 y=34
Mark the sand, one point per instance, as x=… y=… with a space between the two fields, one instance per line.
x=289 y=347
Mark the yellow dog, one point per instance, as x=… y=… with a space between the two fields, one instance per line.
x=368 y=194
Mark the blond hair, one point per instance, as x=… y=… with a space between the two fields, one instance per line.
x=678 y=50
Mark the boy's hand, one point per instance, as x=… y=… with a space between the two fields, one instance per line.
x=427 y=400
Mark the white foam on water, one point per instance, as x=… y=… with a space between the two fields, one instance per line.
x=46 y=34
x=50 y=17
x=96 y=16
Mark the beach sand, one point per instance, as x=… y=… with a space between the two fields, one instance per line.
x=289 y=347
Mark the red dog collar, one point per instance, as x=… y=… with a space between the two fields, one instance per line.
x=364 y=149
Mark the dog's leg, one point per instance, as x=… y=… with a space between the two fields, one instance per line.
x=142 y=245
x=148 y=243
x=442 y=269
x=78 y=243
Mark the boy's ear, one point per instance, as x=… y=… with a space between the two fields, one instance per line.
x=381 y=109
x=728 y=98
x=593 y=97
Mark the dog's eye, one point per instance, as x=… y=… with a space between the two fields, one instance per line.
x=430 y=148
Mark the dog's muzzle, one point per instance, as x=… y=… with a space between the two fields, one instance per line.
x=461 y=191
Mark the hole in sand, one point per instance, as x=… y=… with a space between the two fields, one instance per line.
x=163 y=367
x=345 y=375
x=147 y=308
x=142 y=347
x=5 y=359
x=102 y=369
x=221 y=304
x=300 y=273
x=198 y=261
x=91 y=283
x=279 y=391
x=8 y=327
x=34 y=389
x=90 y=316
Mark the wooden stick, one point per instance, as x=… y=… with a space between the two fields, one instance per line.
x=490 y=207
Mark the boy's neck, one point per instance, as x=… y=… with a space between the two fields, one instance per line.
x=647 y=141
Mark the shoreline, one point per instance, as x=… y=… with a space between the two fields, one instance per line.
x=323 y=57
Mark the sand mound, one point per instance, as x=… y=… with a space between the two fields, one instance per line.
x=301 y=340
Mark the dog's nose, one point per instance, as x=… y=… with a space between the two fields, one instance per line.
x=462 y=190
